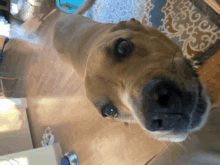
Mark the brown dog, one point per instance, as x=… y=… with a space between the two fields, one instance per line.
x=132 y=73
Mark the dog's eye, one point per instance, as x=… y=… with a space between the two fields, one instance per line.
x=109 y=111
x=123 y=48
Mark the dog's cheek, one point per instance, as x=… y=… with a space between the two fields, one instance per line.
x=90 y=88
x=96 y=87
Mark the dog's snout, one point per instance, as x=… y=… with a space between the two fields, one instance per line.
x=162 y=105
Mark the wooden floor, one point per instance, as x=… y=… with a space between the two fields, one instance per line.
x=56 y=98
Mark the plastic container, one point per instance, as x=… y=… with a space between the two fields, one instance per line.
x=69 y=158
x=72 y=5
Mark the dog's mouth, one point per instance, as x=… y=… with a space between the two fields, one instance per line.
x=186 y=113
x=197 y=120
x=196 y=116
x=200 y=113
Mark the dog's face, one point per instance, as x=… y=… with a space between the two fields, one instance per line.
x=136 y=74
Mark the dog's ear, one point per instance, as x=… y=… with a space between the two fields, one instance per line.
x=85 y=7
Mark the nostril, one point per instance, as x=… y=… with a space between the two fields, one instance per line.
x=156 y=125
x=163 y=98
x=163 y=101
x=167 y=121
x=166 y=93
x=163 y=92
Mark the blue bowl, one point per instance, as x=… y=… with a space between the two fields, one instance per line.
x=70 y=158
x=71 y=4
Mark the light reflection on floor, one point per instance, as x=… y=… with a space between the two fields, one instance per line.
x=19 y=161
x=9 y=116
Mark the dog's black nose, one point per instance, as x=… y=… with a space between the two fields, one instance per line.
x=166 y=94
x=162 y=105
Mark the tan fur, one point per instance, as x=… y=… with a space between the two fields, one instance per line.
x=86 y=45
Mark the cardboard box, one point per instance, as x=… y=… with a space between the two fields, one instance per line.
x=14 y=127
x=50 y=155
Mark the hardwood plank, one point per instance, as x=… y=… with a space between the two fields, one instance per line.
x=56 y=98
x=210 y=75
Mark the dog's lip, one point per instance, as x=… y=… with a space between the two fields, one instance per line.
x=200 y=109
x=170 y=136
x=174 y=138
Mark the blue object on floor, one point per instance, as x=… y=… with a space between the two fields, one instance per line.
x=65 y=161
x=72 y=4
x=69 y=158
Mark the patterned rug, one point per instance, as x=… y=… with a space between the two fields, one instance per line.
x=180 y=20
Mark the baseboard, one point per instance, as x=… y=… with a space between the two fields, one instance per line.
x=214 y=4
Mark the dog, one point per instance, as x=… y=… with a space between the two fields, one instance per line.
x=132 y=73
